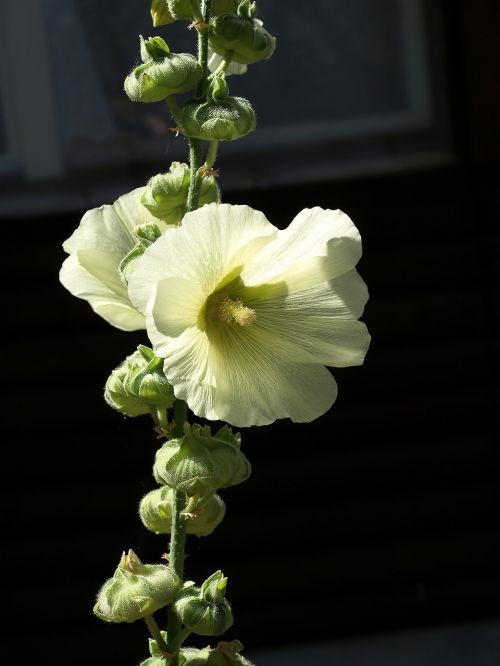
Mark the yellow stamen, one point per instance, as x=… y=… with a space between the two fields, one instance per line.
x=234 y=311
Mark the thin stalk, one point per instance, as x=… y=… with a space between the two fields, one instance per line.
x=176 y=561
x=211 y=154
x=180 y=413
x=195 y=178
x=154 y=630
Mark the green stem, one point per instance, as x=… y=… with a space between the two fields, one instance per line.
x=195 y=151
x=154 y=630
x=211 y=154
x=176 y=561
x=172 y=107
x=195 y=177
x=162 y=418
x=180 y=413
x=179 y=639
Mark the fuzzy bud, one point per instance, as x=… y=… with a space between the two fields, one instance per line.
x=162 y=73
x=219 y=118
x=241 y=38
x=199 y=463
x=205 y=610
x=155 y=511
x=227 y=654
x=166 y=194
x=138 y=386
x=136 y=590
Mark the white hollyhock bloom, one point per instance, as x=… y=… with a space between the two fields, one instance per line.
x=104 y=237
x=247 y=316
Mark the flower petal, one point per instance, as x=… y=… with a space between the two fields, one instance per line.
x=109 y=228
x=318 y=322
x=319 y=245
x=172 y=328
x=212 y=242
x=257 y=382
x=110 y=302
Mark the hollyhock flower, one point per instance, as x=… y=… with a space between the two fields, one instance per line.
x=247 y=316
x=105 y=236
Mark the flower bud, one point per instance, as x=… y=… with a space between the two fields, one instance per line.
x=199 y=463
x=136 y=590
x=146 y=235
x=162 y=73
x=205 y=610
x=219 y=118
x=155 y=511
x=166 y=194
x=138 y=386
x=241 y=38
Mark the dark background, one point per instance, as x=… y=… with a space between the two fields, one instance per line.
x=381 y=515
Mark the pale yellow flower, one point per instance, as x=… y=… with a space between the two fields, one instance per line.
x=247 y=316
x=104 y=237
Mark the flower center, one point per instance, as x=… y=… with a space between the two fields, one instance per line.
x=232 y=310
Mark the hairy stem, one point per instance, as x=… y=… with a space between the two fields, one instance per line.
x=176 y=561
x=180 y=413
x=211 y=154
x=154 y=630
x=195 y=177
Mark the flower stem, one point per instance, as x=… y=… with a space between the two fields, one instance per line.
x=211 y=154
x=176 y=561
x=195 y=177
x=154 y=630
x=195 y=151
x=180 y=413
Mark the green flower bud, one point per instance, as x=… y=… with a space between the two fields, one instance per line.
x=138 y=386
x=205 y=610
x=160 y=13
x=136 y=590
x=199 y=463
x=155 y=511
x=219 y=118
x=166 y=194
x=146 y=235
x=162 y=73
x=241 y=38
x=226 y=654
